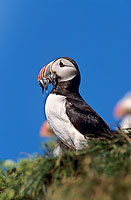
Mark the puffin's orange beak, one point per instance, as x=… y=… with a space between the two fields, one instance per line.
x=46 y=76
x=119 y=111
x=42 y=73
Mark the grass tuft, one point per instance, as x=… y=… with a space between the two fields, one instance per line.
x=101 y=171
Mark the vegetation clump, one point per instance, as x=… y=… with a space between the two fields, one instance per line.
x=101 y=171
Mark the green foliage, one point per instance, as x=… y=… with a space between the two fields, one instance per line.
x=101 y=171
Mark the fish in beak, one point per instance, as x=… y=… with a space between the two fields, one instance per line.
x=47 y=76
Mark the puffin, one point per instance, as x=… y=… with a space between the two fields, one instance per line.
x=72 y=120
x=45 y=130
x=122 y=111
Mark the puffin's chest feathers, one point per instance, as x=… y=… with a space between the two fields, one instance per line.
x=55 y=106
x=55 y=109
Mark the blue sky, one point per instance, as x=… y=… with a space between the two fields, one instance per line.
x=97 y=34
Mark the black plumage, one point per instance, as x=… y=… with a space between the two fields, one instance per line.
x=85 y=119
x=81 y=115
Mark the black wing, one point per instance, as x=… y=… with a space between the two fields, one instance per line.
x=85 y=119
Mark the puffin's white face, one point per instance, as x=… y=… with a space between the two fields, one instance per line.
x=60 y=70
x=64 y=69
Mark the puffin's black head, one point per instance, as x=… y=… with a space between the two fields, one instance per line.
x=59 y=71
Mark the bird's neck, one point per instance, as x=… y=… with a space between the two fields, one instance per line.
x=65 y=87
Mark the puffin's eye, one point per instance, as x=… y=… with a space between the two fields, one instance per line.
x=61 y=64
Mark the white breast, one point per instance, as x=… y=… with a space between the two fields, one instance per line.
x=126 y=123
x=56 y=115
